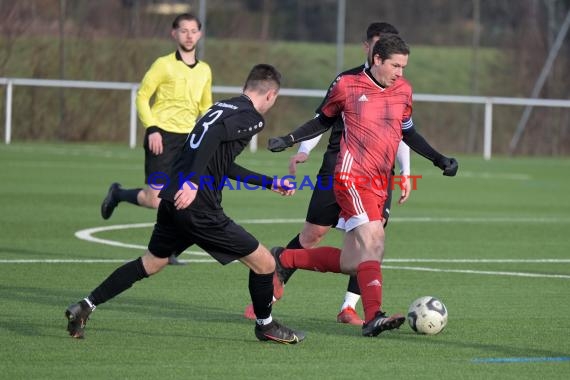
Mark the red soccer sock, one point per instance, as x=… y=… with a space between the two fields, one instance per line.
x=369 y=275
x=322 y=259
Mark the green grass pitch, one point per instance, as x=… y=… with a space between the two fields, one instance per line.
x=493 y=244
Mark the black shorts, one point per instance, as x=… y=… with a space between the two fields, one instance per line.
x=324 y=210
x=176 y=230
x=157 y=167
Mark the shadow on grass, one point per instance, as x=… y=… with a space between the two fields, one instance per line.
x=27 y=252
x=489 y=349
x=41 y=310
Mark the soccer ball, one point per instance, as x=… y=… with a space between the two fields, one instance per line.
x=427 y=315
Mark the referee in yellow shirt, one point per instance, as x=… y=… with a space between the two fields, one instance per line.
x=182 y=90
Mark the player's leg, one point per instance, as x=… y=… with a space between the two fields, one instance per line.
x=157 y=174
x=322 y=214
x=363 y=252
x=312 y=234
x=348 y=313
x=352 y=296
x=261 y=274
x=164 y=240
x=227 y=241
x=115 y=195
x=120 y=280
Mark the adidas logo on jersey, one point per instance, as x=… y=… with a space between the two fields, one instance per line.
x=363 y=98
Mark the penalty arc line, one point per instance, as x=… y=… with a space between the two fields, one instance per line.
x=87 y=234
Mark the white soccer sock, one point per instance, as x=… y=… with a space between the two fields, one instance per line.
x=88 y=301
x=350 y=299
x=263 y=322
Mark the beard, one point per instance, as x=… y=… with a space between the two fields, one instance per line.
x=187 y=50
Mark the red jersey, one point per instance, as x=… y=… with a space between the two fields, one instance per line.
x=373 y=119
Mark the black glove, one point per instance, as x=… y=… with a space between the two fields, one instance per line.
x=279 y=144
x=448 y=165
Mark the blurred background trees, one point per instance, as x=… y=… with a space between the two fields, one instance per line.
x=463 y=47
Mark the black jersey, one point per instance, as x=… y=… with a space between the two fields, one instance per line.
x=207 y=158
x=333 y=147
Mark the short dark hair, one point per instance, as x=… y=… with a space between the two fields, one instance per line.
x=377 y=28
x=388 y=45
x=186 y=17
x=262 y=78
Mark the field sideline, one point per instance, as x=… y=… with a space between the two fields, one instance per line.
x=492 y=243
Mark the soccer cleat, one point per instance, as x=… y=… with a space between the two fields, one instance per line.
x=77 y=316
x=350 y=316
x=278 y=286
x=110 y=202
x=249 y=313
x=382 y=322
x=279 y=333
x=281 y=273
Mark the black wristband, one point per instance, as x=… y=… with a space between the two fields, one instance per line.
x=152 y=129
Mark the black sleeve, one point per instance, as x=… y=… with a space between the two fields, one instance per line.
x=239 y=173
x=419 y=145
x=312 y=128
x=153 y=128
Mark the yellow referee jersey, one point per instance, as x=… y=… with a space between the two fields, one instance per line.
x=182 y=93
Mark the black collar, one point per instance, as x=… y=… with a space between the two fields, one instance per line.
x=247 y=97
x=179 y=58
x=369 y=73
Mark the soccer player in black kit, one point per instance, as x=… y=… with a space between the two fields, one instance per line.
x=190 y=210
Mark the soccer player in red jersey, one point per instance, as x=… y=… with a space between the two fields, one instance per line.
x=323 y=210
x=377 y=109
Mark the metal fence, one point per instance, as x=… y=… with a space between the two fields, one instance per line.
x=488 y=102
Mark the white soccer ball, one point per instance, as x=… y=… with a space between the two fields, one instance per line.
x=427 y=315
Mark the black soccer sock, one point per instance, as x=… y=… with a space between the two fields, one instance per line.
x=128 y=195
x=295 y=243
x=261 y=292
x=120 y=280
x=353 y=285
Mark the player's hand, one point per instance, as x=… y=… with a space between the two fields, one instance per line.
x=283 y=186
x=279 y=144
x=406 y=188
x=448 y=165
x=186 y=195
x=299 y=158
x=155 y=143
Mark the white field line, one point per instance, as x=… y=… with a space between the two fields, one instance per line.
x=469 y=271
x=422 y=269
x=487 y=175
x=411 y=260
x=87 y=234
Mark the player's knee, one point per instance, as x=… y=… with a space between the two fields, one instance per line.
x=260 y=261
x=149 y=198
x=312 y=235
x=153 y=264
x=155 y=201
